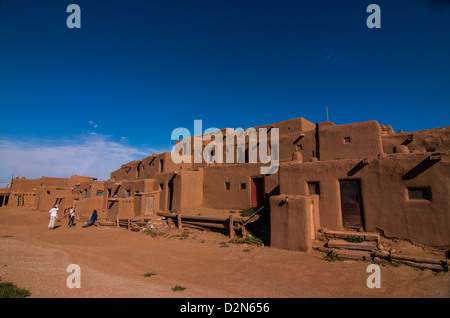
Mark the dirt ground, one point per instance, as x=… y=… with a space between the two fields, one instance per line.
x=113 y=263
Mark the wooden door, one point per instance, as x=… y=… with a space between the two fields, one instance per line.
x=257 y=192
x=149 y=204
x=351 y=203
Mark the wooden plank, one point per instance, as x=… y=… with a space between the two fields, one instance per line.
x=344 y=234
x=201 y=218
x=207 y=225
x=365 y=246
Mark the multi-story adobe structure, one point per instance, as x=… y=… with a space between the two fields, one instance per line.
x=360 y=176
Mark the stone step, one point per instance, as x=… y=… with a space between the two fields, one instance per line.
x=342 y=244
x=368 y=236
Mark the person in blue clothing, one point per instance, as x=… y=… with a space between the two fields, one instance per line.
x=92 y=220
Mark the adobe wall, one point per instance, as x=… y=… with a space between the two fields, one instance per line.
x=122 y=207
x=289 y=126
x=289 y=132
x=161 y=184
x=189 y=186
x=294 y=221
x=149 y=167
x=127 y=171
x=384 y=190
x=73 y=180
x=217 y=196
x=27 y=198
x=357 y=140
x=65 y=202
x=24 y=185
x=85 y=207
x=89 y=189
x=430 y=140
x=46 y=198
x=144 y=206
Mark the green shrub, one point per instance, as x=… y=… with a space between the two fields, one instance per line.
x=248 y=212
x=355 y=239
x=9 y=290
x=149 y=274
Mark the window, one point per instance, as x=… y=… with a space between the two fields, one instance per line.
x=85 y=193
x=227 y=186
x=109 y=193
x=347 y=140
x=419 y=194
x=128 y=194
x=313 y=188
x=161 y=165
x=243 y=186
x=99 y=193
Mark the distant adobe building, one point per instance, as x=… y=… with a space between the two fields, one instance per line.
x=43 y=193
x=360 y=176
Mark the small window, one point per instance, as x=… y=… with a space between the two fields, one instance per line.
x=161 y=165
x=99 y=193
x=128 y=194
x=227 y=186
x=85 y=193
x=419 y=194
x=313 y=188
x=347 y=140
x=243 y=186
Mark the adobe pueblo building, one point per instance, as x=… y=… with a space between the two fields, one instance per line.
x=353 y=177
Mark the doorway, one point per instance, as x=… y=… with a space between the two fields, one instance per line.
x=257 y=192
x=170 y=195
x=351 y=203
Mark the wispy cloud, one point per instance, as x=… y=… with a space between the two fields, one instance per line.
x=92 y=155
x=332 y=54
x=92 y=123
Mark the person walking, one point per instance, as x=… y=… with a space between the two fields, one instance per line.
x=71 y=216
x=53 y=212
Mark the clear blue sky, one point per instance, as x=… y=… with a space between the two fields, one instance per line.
x=87 y=100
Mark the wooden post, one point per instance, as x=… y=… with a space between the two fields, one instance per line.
x=244 y=232
x=128 y=224
x=231 y=227
x=117 y=220
x=179 y=221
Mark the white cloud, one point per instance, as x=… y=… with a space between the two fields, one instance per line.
x=93 y=156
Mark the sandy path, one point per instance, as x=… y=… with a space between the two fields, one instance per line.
x=113 y=263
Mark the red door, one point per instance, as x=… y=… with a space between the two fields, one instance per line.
x=257 y=192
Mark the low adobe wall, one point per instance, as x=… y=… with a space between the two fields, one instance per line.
x=85 y=207
x=294 y=220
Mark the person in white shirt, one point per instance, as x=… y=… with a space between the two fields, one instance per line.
x=53 y=211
